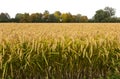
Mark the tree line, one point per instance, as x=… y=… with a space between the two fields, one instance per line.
x=101 y=15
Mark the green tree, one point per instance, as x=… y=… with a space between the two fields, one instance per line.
x=110 y=10
x=104 y=15
x=25 y=17
x=113 y=20
x=57 y=14
x=66 y=17
x=52 y=18
x=18 y=17
x=101 y=16
x=45 y=16
x=36 y=17
x=78 y=18
x=22 y=17
x=83 y=19
x=4 y=17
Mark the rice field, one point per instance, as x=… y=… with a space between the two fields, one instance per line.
x=60 y=51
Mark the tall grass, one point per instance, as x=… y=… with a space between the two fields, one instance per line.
x=47 y=54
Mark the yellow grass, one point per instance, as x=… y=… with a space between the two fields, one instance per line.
x=58 y=30
x=59 y=50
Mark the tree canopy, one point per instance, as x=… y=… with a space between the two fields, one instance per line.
x=102 y=15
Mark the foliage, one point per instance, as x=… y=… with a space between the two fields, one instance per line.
x=83 y=19
x=45 y=16
x=78 y=18
x=22 y=17
x=36 y=17
x=52 y=18
x=104 y=15
x=110 y=11
x=101 y=15
x=66 y=17
x=57 y=14
x=4 y=17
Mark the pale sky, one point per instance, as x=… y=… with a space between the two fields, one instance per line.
x=84 y=7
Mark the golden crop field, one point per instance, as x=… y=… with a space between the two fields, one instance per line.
x=50 y=30
x=59 y=50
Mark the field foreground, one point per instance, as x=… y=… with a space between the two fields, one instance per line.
x=60 y=51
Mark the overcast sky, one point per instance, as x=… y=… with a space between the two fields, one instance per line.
x=84 y=7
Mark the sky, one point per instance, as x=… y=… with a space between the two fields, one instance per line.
x=83 y=7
